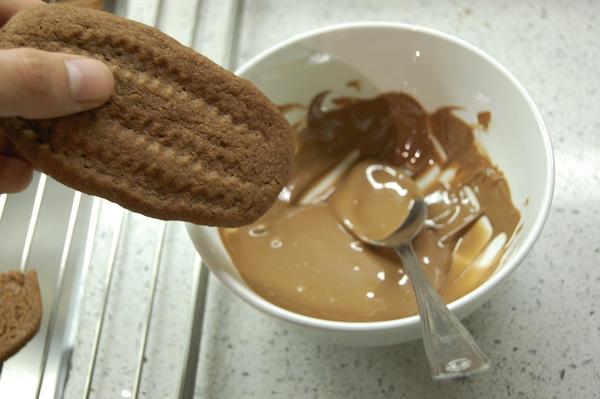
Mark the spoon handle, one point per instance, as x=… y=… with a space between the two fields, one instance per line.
x=451 y=350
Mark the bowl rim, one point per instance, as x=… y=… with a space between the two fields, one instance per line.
x=262 y=304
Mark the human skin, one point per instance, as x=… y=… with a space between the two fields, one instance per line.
x=37 y=85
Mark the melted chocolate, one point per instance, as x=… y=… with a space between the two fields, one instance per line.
x=301 y=257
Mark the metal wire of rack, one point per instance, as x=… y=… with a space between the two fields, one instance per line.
x=81 y=226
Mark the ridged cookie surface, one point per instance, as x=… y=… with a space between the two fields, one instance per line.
x=181 y=138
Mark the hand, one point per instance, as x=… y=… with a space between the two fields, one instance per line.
x=37 y=84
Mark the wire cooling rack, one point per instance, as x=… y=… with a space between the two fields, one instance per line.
x=54 y=230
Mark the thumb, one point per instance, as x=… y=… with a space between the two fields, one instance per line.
x=37 y=84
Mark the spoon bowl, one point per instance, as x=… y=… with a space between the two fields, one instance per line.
x=409 y=229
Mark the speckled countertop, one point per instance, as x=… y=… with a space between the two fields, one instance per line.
x=542 y=329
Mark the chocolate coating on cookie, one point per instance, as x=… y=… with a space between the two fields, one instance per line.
x=181 y=138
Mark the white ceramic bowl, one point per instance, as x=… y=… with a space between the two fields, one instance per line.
x=438 y=70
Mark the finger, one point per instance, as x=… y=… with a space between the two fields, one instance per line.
x=15 y=174
x=8 y=8
x=37 y=84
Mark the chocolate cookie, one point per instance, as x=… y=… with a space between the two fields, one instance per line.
x=20 y=311
x=181 y=138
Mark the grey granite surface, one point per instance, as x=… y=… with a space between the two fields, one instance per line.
x=542 y=329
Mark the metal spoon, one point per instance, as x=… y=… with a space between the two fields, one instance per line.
x=451 y=350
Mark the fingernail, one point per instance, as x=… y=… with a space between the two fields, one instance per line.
x=89 y=80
